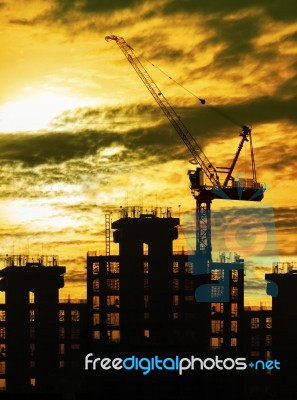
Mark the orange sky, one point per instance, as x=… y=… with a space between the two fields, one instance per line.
x=80 y=135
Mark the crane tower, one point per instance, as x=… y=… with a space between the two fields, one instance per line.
x=217 y=188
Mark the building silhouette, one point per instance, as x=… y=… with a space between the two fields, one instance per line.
x=146 y=302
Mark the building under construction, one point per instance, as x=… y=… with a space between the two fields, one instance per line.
x=142 y=302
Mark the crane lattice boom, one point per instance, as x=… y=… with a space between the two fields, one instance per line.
x=198 y=155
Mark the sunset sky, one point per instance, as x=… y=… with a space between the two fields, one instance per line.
x=80 y=135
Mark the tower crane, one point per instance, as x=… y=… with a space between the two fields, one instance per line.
x=242 y=189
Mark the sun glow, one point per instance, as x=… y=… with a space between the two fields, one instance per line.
x=36 y=111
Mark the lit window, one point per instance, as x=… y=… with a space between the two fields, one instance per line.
x=114 y=267
x=75 y=315
x=217 y=326
x=175 y=300
x=95 y=268
x=234 y=292
x=216 y=343
x=113 y=284
x=2 y=315
x=234 y=309
x=268 y=323
x=175 y=267
x=61 y=348
x=255 y=323
x=217 y=291
x=96 y=319
x=61 y=315
x=96 y=335
x=234 y=326
x=234 y=275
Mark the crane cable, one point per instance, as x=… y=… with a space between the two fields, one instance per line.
x=202 y=101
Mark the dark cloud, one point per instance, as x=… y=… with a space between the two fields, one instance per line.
x=285 y=10
x=93 y=6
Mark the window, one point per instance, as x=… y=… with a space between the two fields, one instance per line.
x=189 y=268
x=114 y=267
x=96 y=285
x=268 y=323
x=234 y=326
x=255 y=323
x=113 y=318
x=189 y=284
x=2 y=315
x=32 y=332
x=234 y=275
x=189 y=299
x=146 y=301
x=96 y=302
x=113 y=300
x=61 y=315
x=61 y=348
x=217 y=308
x=75 y=333
x=217 y=274
x=2 y=332
x=145 y=267
x=61 y=332
x=233 y=342
x=95 y=268
x=75 y=315
x=216 y=343
x=146 y=284
x=96 y=319
x=217 y=326
x=175 y=267
x=217 y=291
x=255 y=353
x=234 y=292
x=2 y=367
x=96 y=335
x=268 y=340
x=255 y=341
x=32 y=315
x=175 y=284
x=234 y=310
x=146 y=333
x=113 y=284
x=175 y=300
x=75 y=346
x=114 y=335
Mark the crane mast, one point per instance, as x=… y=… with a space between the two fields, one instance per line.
x=204 y=194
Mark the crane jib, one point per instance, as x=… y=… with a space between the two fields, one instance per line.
x=195 y=150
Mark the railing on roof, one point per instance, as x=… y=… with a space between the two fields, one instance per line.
x=284 y=267
x=25 y=260
x=142 y=212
